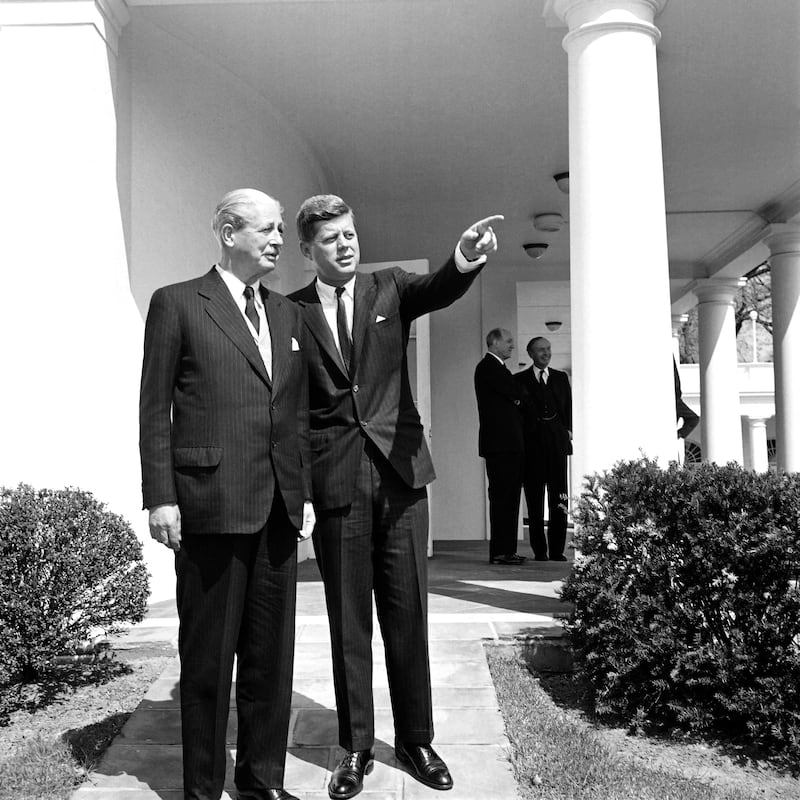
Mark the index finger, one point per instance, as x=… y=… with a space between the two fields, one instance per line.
x=483 y=225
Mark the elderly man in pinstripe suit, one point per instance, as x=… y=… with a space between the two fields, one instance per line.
x=370 y=466
x=225 y=469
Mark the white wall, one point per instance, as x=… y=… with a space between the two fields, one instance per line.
x=198 y=132
x=71 y=332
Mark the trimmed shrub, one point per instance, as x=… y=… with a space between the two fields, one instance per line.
x=68 y=569
x=687 y=609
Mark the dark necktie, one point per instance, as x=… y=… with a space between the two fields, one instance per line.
x=250 y=307
x=345 y=343
x=542 y=378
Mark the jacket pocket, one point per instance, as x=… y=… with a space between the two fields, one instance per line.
x=196 y=457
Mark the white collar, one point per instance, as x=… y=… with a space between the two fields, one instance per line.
x=327 y=293
x=236 y=286
x=490 y=353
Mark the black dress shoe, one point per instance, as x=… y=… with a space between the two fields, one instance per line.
x=558 y=558
x=278 y=794
x=422 y=761
x=540 y=558
x=510 y=559
x=348 y=777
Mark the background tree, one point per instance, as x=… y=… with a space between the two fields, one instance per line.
x=755 y=295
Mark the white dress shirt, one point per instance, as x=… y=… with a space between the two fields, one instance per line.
x=262 y=338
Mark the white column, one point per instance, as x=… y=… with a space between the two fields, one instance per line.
x=618 y=245
x=784 y=244
x=719 y=391
x=72 y=332
x=757 y=436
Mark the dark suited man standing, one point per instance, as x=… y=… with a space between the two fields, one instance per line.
x=369 y=471
x=225 y=475
x=500 y=444
x=547 y=421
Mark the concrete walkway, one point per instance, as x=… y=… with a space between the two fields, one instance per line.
x=470 y=602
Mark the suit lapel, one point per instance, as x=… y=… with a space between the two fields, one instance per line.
x=314 y=318
x=279 y=333
x=221 y=307
x=363 y=305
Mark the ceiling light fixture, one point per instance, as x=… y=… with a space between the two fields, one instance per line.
x=535 y=249
x=549 y=223
x=553 y=324
x=562 y=181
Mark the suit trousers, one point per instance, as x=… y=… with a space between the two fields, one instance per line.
x=546 y=467
x=504 y=472
x=236 y=595
x=378 y=544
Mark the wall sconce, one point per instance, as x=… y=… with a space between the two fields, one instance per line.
x=562 y=181
x=549 y=223
x=553 y=325
x=535 y=249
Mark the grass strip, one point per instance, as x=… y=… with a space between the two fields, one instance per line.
x=557 y=756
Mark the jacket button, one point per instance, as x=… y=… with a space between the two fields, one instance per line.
x=355 y=388
x=274 y=444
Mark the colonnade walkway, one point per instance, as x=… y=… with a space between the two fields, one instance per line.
x=471 y=602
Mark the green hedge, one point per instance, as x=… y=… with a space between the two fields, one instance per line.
x=687 y=608
x=68 y=569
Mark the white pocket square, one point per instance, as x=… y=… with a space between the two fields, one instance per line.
x=379 y=318
x=295 y=345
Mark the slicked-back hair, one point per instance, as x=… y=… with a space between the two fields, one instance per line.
x=494 y=336
x=236 y=209
x=533 y=341
x=319 y=208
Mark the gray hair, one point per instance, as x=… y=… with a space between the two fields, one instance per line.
x=236 y=209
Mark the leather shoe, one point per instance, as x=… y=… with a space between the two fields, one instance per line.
x=348 y=777
x=558 y=558
x=422 y=761
x=510 y=559
x=268 y=794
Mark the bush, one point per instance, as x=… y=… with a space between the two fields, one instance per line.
x=68 y=569
x=687 y=608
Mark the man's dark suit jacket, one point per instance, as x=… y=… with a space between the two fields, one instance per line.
x=499 y=413
x=219 y=436
x=379 y=403
x=533 y=406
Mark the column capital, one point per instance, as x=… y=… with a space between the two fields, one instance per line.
x=109 y=17
x=584 y=17
x=783 y=237
x=717 y=290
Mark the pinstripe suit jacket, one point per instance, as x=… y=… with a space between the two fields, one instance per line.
x=218 y=436
x=378 y=402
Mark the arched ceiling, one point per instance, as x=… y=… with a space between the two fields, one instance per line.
x=428 y=114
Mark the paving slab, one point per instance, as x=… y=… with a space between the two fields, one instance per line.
x=471 y=603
